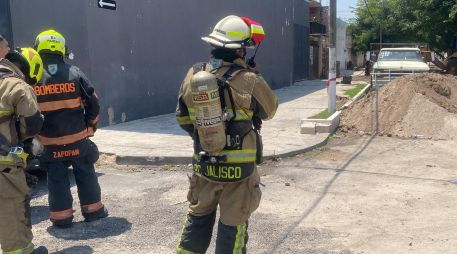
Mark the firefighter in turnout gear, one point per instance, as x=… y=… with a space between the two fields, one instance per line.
x=20 y=120
x=70 y=106
x=224 y=101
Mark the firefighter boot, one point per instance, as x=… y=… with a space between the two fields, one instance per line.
x=231 y=239
x=93 y=216
x=67 y=223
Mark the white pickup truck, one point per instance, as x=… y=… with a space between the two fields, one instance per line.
x=395 y=62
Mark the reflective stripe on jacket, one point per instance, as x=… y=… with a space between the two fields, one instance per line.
x=70 y=106
x=252 y=97
x=18 y=101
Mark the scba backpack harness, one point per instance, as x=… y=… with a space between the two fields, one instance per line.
x=219 y=127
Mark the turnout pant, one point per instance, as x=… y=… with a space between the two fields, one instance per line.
x=60 y=198
x=237 y=201
x=15 y=226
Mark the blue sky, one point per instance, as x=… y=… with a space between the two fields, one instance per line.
x=343 y=8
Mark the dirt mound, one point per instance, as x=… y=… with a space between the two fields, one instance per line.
x=423 y=105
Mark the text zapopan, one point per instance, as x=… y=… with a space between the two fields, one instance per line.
x=55 y=89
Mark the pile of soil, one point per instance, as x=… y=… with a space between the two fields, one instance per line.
x=421 y=105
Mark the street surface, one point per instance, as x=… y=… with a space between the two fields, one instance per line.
x=356 y=195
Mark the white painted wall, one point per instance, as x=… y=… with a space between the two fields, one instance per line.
x=343 y=47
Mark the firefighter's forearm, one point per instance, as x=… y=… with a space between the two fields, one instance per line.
x=30 y=126
x=92 y=107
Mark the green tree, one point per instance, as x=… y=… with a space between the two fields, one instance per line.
x=429 y=21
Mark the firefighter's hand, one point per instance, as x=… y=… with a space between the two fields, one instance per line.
x=33 y=146
x=92 y=123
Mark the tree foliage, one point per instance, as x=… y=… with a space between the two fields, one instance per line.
x=425 y=21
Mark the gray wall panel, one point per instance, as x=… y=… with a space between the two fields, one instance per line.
x=5 y=20
x=138 y=55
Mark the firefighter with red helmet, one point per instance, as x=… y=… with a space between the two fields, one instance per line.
x=68 y=101
x=20 y=120
x=221 y=105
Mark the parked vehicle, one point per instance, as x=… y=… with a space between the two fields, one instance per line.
x=395 y=62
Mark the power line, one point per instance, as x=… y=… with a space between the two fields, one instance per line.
x=368 y=9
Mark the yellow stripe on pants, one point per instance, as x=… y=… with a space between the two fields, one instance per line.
x=240 y=238
x=26 y=250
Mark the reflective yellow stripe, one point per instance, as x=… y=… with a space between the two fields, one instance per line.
x=6 y=112
x=192 y=114
x=244 y=151
x=26 y=250
x=241 y=160
x=241 y=114
x=183 y=120
x=237 y=34
x=257 y=29
x=179 y=249
x=240 y=238
x=15 y=159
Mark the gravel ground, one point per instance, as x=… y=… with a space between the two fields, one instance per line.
x=357 y=195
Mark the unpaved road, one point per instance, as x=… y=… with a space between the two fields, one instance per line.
x=357 y=195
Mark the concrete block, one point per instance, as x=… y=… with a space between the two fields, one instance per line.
x=323 y=128
x=308 y=128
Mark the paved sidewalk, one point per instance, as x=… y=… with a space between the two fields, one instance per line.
x=159 y=139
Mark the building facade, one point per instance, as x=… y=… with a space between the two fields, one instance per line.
x=138 y=54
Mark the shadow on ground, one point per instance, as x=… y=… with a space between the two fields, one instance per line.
x=290 y=93
x=76 y=250
x=39 y=214
x=41 y=188
x=111 y=226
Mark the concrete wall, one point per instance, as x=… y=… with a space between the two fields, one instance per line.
x=343 y=51
x=138 y=55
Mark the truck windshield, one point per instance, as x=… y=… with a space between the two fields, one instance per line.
x=403 y=55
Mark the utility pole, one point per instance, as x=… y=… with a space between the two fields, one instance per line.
x=380 y=25
x=332 y=58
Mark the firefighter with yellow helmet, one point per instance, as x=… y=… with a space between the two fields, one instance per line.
x=20 y=120
x=221 y=105
x=70 y=105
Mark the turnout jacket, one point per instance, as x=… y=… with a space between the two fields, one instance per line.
x=70 y=107
x=20 y=118
x=252 y=98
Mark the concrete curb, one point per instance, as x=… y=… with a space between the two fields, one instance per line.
x=160 y=161
x=293 y=152
x=153 y=161
x=357 y=96
x=329 y=125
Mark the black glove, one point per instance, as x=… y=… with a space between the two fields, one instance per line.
x=28 y=146
x=31 y=180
